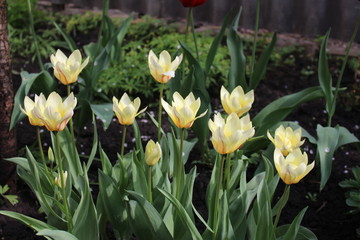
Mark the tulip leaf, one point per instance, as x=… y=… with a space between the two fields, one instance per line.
x=104 y=112
x=261 y=65
x=138 y=143
x=138 y=176
x=185 y=218
x=56 y=234
x=302 y=234
x=70 y=42
x=28 y=221
x=94 y=146
x=224 y=229
x=282 y=107
x=146 y=222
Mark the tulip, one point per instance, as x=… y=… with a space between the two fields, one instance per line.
x=58 y=179
x=53 y=112
x=162 y=69
x=152 y=153
x=51 y=155
x=183 y=111
x=237 y=102
x=126 y=110
x=192 y=3
x=286 y=139
x=293 y=167
x=66 y=69
x=29 y=106
x=229 y=135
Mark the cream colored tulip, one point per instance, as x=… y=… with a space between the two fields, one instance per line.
x=126 y=110
x=67 y=70
x=58 y=179
x=53 y=112
x=183 y=111
x=237 y=102
x=293 y=167
x=29 y=106
x=228 y=135
x=153 y=153
x=162 y=68
x=286 y=139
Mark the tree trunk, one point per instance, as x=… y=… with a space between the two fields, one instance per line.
x=7 y=138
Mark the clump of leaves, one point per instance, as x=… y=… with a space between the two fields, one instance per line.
x=353 y=195
x=13 y=199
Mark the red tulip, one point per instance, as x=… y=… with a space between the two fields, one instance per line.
x=192 y=3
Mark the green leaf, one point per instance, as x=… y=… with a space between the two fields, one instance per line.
x=94 y=146
x=28 y=221
x=293 y=229
x=138 y=176
x=13 y=199
x=185 y=218
x=145 y=220
x=303 y=233
x=282 y=107
x=56 y=234
x=261 y=65
x=67 y=38
x=224 y=229
x=104 y=112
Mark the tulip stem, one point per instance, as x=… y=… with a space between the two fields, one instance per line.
x=71 y=121
x=150 y=184
x=218 y=188
x=63 y=184
x=227 y=172
x=282 y=202
x=123 y=141
x=160 y=110
x=42 y=154
x=180 y=165
x=193 y=31
x=255 y=36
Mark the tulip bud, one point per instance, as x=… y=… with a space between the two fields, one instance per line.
x=162 y=69
x=183 y=111
x=58 y=179
x=29 y=106
x=293 y=167
x=152 y=153
x=229 y=135
x=51 y=155
x=237 y=102
x=67 y=70
x=126 y=110
x=53 y=112
x=286 y=139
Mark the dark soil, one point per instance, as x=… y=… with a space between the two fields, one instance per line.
x=327 y=215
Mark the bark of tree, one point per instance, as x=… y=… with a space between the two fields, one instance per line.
x=7 y=138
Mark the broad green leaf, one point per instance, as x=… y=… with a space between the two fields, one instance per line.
x=145 y=220
x=104 y=112
x=20 y=161
x=303 y=233
x=224 y=229
x=282 y=107
x=293 y=229
x=56 y=234
x=138 y=176
x=185 y=218
x=28 y=221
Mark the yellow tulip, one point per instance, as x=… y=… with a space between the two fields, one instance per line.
x=53 y=112
x=293 y=167
x=237 y=102
x=58 y=179
x=162 y=69
x=152 y=153
x=183 y=111
x=229 y=135
x=29 y=106
x=286 y=139
x=126 y=110
x=66 y=69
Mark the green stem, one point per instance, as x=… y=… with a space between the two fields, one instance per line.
x=71 y=121
x=255 y=35
x=193 y=32
x=187 y=26
x=123 y=141
x=150 y=184
x=33 y=34
x=42 y=155
x=180 y=165
x=347 y=51
x=63 y=188
x=217 y=193
x=160 y=110
x=282 y=202
x=227 y=173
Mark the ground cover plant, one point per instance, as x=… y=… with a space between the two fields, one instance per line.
x=148 y=192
